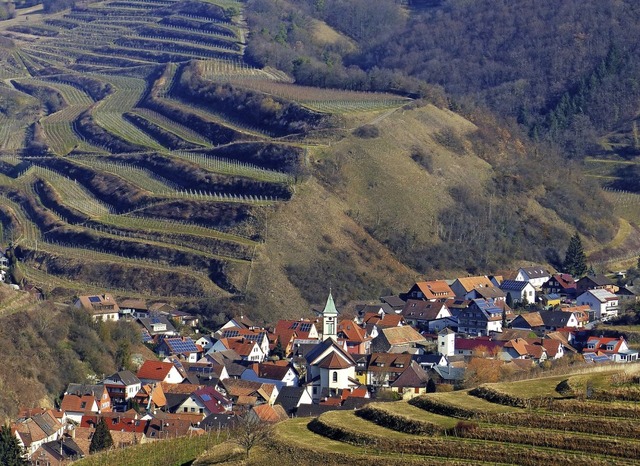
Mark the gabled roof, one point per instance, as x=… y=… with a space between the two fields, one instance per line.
x=602 y=295
x=414 y=377
x=389 y=362
x=490 y=292
x=393 y=301
x=239 y=345
x=134 y=303
x=78 y=403
x=99 y=304
x=256 y=335
x=513 y=285
x=472 y=344
x=350 y=331
x=181 y=345
x=271 y=370
x=289 y=398
x=39 y=426
x=318 y=353
x=286 y=329
x=449 y=373
x=533 y=319
x=213 y=400
x=597 y=280
x=471 y=283
x=335 y=361
x=420 y=310
x=564 y=280
x=534 y=272
x=435 y=289
x=154 y=370
x=124 y=377
x=268 y=413
x=387 y=320
x=555 y=318
x=601 y=344
x=402 y=335
x=488 y=307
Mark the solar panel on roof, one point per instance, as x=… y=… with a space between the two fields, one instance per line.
x=305 y=327
x=205 y=398
x=94 y=299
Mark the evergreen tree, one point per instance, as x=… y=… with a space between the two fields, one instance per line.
x=509 y=300
x=504 y=316
x=11 y=453
x=101 y=439
x=575 y=261
x=431 y=386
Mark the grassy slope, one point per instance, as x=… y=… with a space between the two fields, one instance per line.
x=364 y=182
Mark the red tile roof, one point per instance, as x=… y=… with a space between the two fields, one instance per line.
x=154 y=370
x=435 y=289
x=78 y=403
x=334 y=361
x=351 y=331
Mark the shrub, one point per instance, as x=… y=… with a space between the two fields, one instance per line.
x=367 y=132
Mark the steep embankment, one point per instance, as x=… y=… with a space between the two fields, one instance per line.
x=412 y=197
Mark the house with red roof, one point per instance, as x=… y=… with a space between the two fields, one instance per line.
x=479 y=347
x=290 y=332
x=258 y=335
x=354 y=337
x=75 y=406
x=247 y=350
x=615 y=349
x=433 y=290
x=268 y=413
x=205 y=401
x=521 y=348
x=158 y=371
x=129 y=421
x=560 y=283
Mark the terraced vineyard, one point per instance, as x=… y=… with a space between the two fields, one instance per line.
x=488 y=425
x=126 y=163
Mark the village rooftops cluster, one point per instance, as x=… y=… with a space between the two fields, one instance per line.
x=309 y=365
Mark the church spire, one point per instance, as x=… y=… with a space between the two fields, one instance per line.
x=329 y=319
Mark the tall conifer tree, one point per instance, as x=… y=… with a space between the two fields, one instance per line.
x=575 y=261
x=11 y=453
x=101 y=439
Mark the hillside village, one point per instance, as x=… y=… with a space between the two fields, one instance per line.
x=439 y=335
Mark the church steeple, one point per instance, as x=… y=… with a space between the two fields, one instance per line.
x=329 y=319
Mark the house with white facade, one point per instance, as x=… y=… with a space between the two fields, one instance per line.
x=536 y=275
x=330 y=369
x=615 y=349
x=603 y=303
x=519 y=290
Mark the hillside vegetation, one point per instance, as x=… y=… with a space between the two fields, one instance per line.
x=144 y=152
x=47 y=346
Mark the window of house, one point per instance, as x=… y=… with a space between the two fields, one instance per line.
x=186 y=410
x=315 y=390
x=335 y=376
